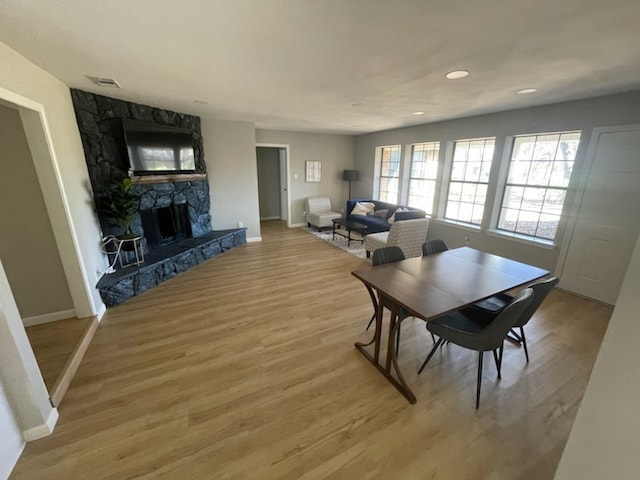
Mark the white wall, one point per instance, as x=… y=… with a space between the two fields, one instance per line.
x=582 y=115
x=11 y=442
x=230 y=155
x=65 y=182
x=27 y=247
x=605 y=438
x=336 y=152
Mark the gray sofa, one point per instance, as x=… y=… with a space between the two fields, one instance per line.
x=380 y=223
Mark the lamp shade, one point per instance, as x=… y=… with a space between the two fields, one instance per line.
x=350 y=175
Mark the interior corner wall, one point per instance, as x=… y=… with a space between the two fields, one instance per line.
x=584 y=115
x=230 y=155
x=64 y=182
x=27 y=246
x=335 y=152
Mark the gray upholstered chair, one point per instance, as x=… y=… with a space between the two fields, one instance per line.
x=380 y=257
x=409 y=235
x=319 y=212
x=486 y=311
x=431 y=247
x=461 y=329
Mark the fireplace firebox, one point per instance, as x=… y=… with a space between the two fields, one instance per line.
x=164 y=225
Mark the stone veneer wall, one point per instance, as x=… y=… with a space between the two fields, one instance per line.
x=100 y=124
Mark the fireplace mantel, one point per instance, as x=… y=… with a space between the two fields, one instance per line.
x=173 y=178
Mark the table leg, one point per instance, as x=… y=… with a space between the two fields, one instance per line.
x=334 y=231
x=391 y=349
x=394 y=326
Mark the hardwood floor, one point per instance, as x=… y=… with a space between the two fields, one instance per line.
x=244 y=367
x=52 y=343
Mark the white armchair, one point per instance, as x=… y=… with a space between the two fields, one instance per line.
x=409 y=235
x=319 y=212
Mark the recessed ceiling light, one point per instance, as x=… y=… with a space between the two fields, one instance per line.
x=357 y=105
x=418 y=113
x=524 y=91
x=456 y=74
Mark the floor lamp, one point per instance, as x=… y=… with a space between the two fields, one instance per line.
x=350 y=176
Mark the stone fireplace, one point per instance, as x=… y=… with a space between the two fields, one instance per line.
x=173 y=216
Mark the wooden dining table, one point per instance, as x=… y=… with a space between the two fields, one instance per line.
x=431 y=286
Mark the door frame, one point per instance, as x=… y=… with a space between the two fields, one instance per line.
x=287 y=199
x=581 y=188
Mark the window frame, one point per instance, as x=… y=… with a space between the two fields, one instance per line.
x=380 y=175
x=444 y=200
x=504 y=184
x=437 y=144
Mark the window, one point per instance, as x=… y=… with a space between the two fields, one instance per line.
x=389 y=174
x=424 y=171
x=469 y=179
x=537 y=182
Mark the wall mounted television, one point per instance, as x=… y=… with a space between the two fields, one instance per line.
x=156 y=149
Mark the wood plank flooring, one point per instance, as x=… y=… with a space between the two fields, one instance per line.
x=52 y=343
x=244 y=367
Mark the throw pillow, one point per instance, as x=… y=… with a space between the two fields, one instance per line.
x=382 y=213
x=363 y=208
x=399 y=209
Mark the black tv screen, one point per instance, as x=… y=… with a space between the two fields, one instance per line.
x=156 y=149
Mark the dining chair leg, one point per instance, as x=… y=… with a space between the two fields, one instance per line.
x=373 y=317
x=426 y=360
x=480 y=355
x=495 y=358
x=524 y=343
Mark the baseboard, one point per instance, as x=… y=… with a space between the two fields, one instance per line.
x=254 y=239
x=296 y=225
x=70 y=368
x=101 y=311
x=269 y=218
x=48 y=317
x=44 y=430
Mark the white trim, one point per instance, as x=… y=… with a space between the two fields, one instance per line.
x=288 y=167
x=296 y=225
x=254 y=239
x=269 y=218
x=44 y=430
x=101 y=311
x=48 y=317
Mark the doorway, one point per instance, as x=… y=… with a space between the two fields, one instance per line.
x=273 y=189
x=595 y=257
x=30 y=255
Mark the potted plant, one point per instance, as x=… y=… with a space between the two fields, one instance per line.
x=120 y=203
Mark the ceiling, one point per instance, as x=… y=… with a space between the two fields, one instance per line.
x=333 y=66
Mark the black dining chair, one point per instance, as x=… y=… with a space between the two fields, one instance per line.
x=461 y=329
x=382 y=256
x=486 y=311
x=431 y=247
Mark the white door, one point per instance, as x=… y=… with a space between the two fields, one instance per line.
x=608 y=221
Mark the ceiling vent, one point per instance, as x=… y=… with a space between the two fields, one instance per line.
x=104 y=81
